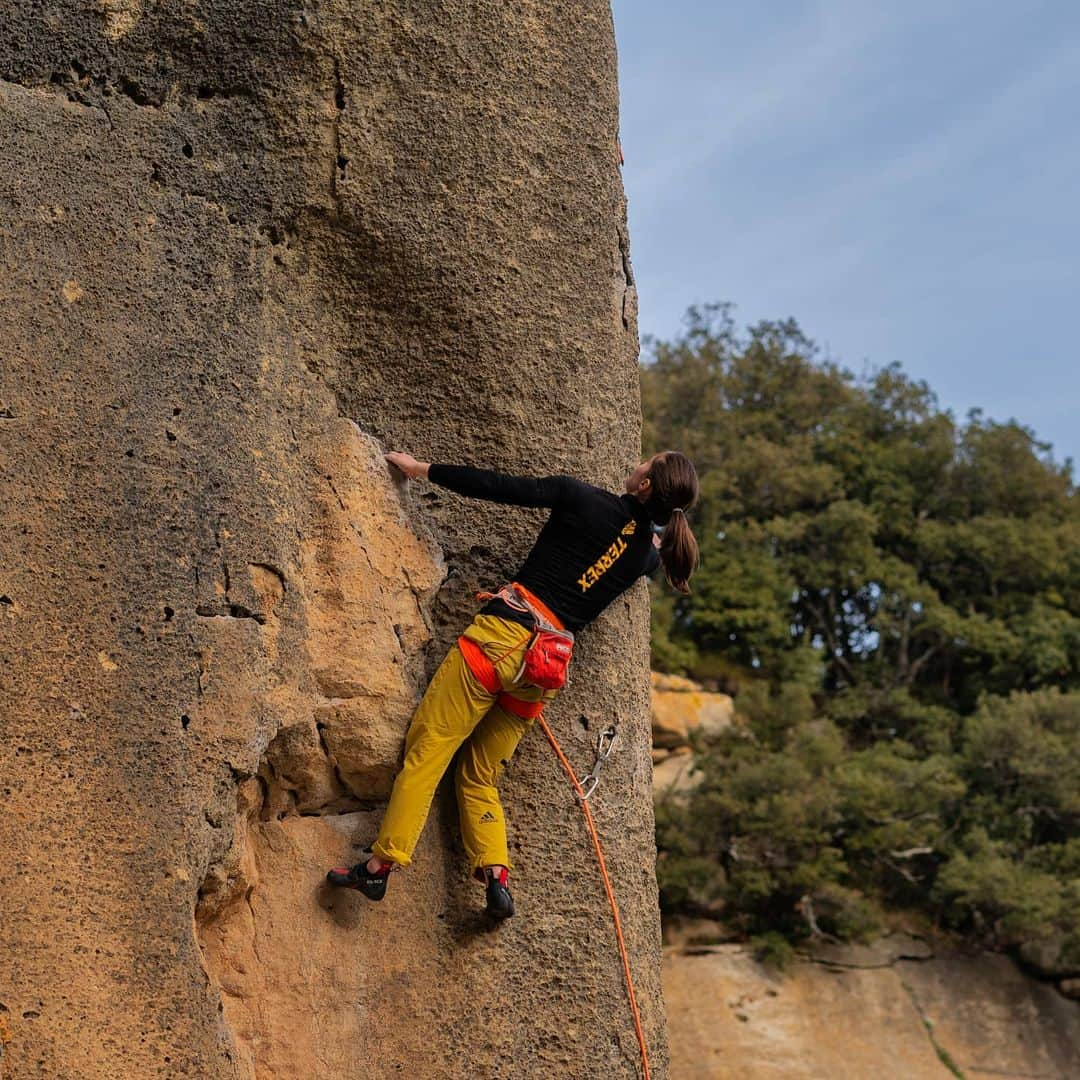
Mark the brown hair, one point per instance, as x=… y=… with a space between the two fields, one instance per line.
x=674 y=490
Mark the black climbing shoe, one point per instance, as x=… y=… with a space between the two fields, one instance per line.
x=358 y=877
x=500 y=904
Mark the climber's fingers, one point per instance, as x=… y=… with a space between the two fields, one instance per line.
x=405 y=462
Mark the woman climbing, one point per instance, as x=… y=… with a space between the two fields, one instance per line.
x=511 y=659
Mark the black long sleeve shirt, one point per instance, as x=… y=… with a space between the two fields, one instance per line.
x=593 y=547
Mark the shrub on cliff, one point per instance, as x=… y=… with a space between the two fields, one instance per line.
x=893 y=598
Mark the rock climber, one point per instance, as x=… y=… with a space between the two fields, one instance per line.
x=491 y=686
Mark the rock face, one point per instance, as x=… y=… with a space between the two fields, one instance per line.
x=889 y=1011
x=244 y=246
x=681 y=706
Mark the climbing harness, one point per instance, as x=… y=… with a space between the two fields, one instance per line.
x=518 y=597
x=602 y=754
x=546 y=660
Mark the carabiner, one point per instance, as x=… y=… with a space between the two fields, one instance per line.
x=588 y=786
x=605 y=744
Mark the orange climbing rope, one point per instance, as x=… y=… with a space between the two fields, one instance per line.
x=583 y=799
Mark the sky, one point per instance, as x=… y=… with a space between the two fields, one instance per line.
x=903 y=179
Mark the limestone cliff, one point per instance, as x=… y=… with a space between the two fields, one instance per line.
x=243 y=246
x=682 y=708
x=917 y=1008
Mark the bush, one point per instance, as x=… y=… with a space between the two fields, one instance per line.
x=773 y=950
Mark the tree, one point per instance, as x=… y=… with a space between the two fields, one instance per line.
x=876 y=580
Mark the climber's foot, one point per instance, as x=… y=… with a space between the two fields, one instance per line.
x=371 y=883
x=500 y=904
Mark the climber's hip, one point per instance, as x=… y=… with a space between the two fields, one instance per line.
x=453 y=705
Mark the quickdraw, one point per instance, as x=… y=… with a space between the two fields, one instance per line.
x=605 y=744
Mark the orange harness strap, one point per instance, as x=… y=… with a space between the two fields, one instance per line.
x=527 y=710
x=478 y=663
x=506 y=594
x=483 y=669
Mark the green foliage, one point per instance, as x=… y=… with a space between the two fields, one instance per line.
x=676 y=657
x=773 y=950
x=893 y=598
x=1015 y=867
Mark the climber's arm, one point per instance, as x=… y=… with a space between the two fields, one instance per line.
x=502 y=488
x=488 y=484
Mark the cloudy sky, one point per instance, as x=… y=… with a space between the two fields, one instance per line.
x=904 y=179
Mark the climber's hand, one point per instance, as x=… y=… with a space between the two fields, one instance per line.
x=407 y=464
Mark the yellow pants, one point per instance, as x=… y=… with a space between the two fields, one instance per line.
x=456 y=709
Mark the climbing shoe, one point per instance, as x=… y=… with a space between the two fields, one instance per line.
x=500 y=904
x=358 y=877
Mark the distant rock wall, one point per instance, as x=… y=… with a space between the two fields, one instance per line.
x=902 y=1008
x=243 y=247
x=682 y=709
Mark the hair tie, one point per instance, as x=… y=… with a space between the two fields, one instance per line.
x=678 y=510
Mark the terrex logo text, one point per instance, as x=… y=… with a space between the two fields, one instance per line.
x=602 y=565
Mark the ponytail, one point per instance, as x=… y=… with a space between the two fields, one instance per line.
x=674 y=491
x=678 y=552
